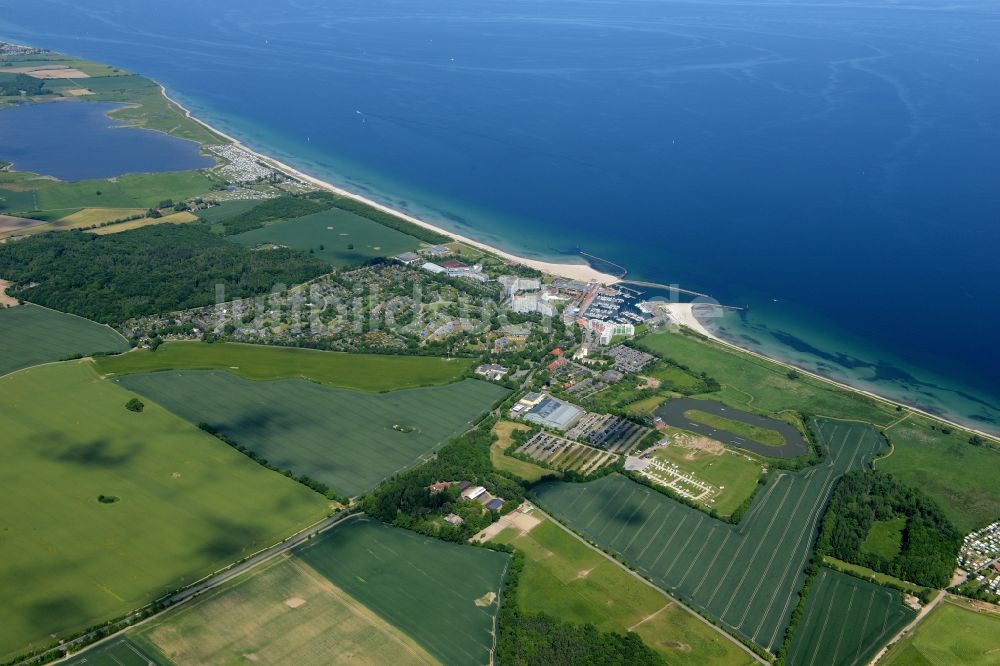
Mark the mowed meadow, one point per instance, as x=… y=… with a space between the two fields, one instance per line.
x=348 y=440
x=30 y=334
x=179 y=504
x=745 y=576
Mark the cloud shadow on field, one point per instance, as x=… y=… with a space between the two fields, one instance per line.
x=99 y=452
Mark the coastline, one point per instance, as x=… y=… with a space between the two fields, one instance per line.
x=683 y=313
x=581 y=272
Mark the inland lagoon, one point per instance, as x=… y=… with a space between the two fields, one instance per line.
x=80 y=141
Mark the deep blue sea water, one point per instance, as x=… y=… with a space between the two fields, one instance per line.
x=78 y=141
x=833 y=165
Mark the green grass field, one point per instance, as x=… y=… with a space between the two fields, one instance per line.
x=345 y=439
x=747 y=576
x=282 y=613
x=188 y=504
x=567 y=580
x=338 y=236
x=960 y=477
x=945 y=466
x=846 y=621
x=131 y=191
x=363 y=372
x=734 y=472
x=520 y=468
x=443 y=595
x=955 y=633
x=756 y=433
x=226 y=209
x=30 y=335
x=885 y=537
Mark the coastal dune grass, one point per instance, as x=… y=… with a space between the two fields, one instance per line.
x=30 y=335
x=348 y=440
x=362 y=372
x=187 y=504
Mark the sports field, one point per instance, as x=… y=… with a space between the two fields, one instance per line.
x=568 y=580
x=362 y=372
x=30 y=334
x=847 y=620
x=339 y=236
x=958 y=632
x=348 y=440
x=443 y=595
x=747 y=576
x=283 y=613
x=183 y=504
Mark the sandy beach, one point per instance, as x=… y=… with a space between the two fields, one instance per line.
x=582 y=272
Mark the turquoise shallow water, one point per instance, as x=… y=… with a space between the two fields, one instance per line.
x=831 y=165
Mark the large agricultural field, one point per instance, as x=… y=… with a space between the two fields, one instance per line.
x=846 y=621
x=568 y=580
x=282 y=613
x=178 y=504
x=338 y=236
x=362 y=372
x=940 y=461
x=30 y=335
x=957 y=632
x=746 y=576
x=443 y=595
x=348 y=440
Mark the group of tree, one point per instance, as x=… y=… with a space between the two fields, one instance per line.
x=929 y=542
x=282 y=208
x=16 y=84
x=143 y=271
x=406 y=501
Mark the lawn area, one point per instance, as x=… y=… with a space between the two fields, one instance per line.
x=31 y=335
x=885 y=537
x=756 y=433
x=520 y=468
x=338 y=236
x=962 y=478
x=283 y=612
x=958 y=632
x=363 y=372
x=186 y=504
x=566 y=579
x=348 y=440
x=746 y=576
x=846 y=621
x=645 y=407
x=443 y=595
x=733 y=472
x=226 y=209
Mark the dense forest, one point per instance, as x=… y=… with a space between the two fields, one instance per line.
x=144 y=271
x=14 y=84
x=927 y=541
